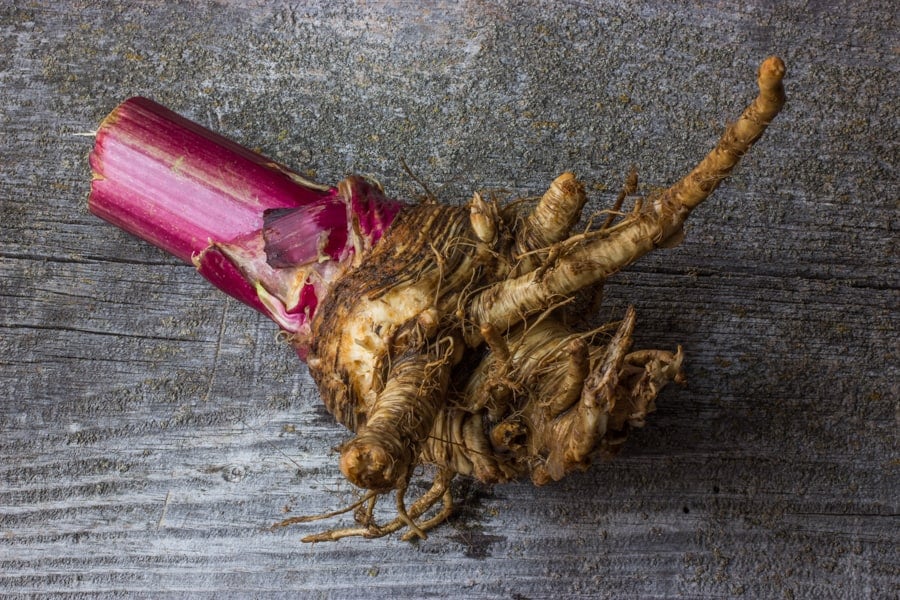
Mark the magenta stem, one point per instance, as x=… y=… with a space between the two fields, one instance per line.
x=252 y=227
x=178 y=185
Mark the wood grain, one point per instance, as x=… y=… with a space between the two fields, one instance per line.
x=152 y=430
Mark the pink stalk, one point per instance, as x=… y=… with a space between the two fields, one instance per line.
x=252 y=227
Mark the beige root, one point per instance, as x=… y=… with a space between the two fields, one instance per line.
x=590 y=259
x=551 y=220
x=384 y=451
x=450 y=343
x=365 y=507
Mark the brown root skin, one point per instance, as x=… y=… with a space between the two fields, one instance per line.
x=450 y=342
x=550 y=222
x=587 y=260
x=384 y=451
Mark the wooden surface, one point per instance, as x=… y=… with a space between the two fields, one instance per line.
x=151 y=430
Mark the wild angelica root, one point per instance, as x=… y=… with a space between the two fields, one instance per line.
x=438 y=335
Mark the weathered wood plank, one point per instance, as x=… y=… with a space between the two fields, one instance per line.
x=151 y=430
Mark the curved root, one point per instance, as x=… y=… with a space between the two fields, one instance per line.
x=383 y=454
x=592 y=258
x=532 y=397
x=439 y=492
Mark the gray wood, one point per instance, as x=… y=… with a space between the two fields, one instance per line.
x=151 y=430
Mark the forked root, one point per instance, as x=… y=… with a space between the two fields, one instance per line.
x=590 y=259
x=406 y=517
x=572 y=437
x=441 y=335
x=484 y=374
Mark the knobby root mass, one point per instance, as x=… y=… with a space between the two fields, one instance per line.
x=454 y=342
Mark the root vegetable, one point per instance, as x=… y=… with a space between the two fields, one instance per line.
x=437 y=334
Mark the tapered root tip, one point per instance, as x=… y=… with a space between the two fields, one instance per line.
x=771 y=72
